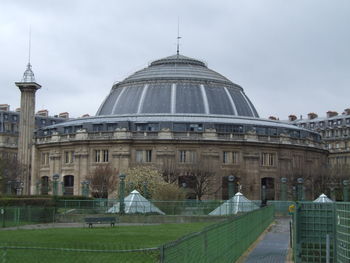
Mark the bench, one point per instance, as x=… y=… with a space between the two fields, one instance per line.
x=100 y=220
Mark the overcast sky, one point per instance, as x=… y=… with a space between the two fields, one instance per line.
x=289 y=56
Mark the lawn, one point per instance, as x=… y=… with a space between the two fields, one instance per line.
x=117 y=238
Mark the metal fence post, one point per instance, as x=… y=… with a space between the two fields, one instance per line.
x=346 y=190
x=327 y=248
x=161 y=251
x=4 y=254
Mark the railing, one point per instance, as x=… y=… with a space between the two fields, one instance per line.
x=189 y=136
x=186 y=208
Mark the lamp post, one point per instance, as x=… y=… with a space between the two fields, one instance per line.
x=85 y=188
x=263 y=195
x=231 y=187
x=121 y=193
x=55 y=178
x=283 y=189
x=19 y=187
x=346 y=190
x=300 y=189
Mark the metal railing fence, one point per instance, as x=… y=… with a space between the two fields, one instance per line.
x=187 y=207
x=222 y=242
x=16 y=216
x=33 y=252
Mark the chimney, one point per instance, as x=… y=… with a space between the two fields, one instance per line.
x=312 y=115
x=347 y=111
x=4 y=107
x=273 y=118
x=44 y=113
x=331 y=114
x=64 y=115
x=85 y=115
x=292 y=117
x=18 y=110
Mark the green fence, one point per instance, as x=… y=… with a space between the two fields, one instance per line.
x=223 y=242
x=187 y=207
x=343 y=232
x=16 y=216
x=312 y=223
x=42 y=253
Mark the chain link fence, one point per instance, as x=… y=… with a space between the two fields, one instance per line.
x=16 y=216
x=222 y=242
x=42 y=253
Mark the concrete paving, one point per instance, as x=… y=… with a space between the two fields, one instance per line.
x=273 y=248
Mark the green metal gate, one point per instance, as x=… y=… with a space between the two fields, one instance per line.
x=343 y=232
x=312 y=222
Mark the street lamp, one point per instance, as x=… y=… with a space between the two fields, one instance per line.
x=55 y=178
x=283 y=189
x=346 y=190
x=231 y=187
x=85 y=188
x=300 y=189
x=121 y=193
x=19 y=187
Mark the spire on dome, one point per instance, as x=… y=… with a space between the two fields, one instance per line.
x=28 y=75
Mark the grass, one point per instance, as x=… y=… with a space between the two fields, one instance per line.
x=107 y=238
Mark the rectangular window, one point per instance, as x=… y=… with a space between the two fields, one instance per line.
x=144 y=156
x=268 y=159
x=101 y=156
x=97 y=127
x=231 y=157
x=45 y=158
x=187 y=156
x=235 y=157
x=225 y=157
x=68 y=157
x=105 y=156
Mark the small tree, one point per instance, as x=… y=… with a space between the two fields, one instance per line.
x=148 y=180
x=103 y=181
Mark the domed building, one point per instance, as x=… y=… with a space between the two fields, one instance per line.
x=177 y=112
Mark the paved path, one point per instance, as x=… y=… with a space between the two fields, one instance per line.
x=274 y=245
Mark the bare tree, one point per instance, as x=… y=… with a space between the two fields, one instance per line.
x=10 y=172
x=199 y=177
x=103 y=181
x=170 y=170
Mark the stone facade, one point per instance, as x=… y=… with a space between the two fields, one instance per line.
x=249 y=165
x=335 y=131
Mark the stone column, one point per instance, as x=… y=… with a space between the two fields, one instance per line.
x=28 y=88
